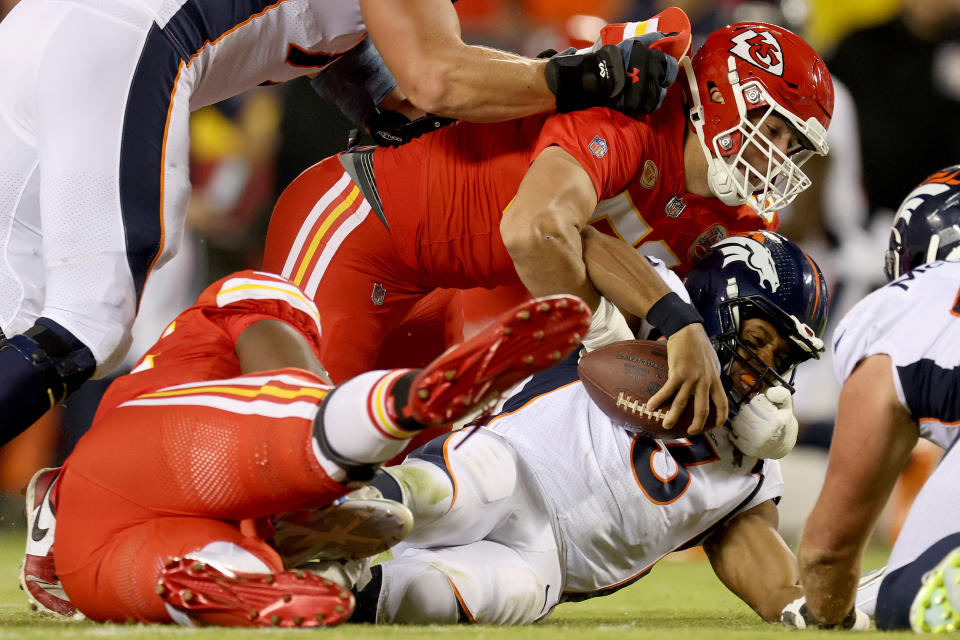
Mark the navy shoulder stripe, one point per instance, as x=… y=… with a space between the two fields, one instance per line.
x=931 y=391
x=545 y=382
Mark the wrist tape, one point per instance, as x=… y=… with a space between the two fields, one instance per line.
x=607 y=326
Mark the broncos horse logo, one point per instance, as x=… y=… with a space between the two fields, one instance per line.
x=755 y=255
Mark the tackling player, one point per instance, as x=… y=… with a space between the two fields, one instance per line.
x=552 y=501
x=227 y=422
x=896 y=355
x=94 y=141
x=371 y=234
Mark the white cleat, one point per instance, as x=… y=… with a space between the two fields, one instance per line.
x=359 y=525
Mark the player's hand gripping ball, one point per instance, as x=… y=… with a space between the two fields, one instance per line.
x=622 y=376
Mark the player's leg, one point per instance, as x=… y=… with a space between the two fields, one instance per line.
x=324 y=237
x=929 y=534
x=484 y=582
x=230 y=450
x=448 y=389
x=104 y=154
x=199 y=571
x=459 y=487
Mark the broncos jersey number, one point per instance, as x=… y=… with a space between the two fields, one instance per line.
x=661 y=468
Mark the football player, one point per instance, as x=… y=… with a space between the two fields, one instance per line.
x=171 y=507
x=372 y=234
x=896 y=355
x=553 y=501
x=94 y=140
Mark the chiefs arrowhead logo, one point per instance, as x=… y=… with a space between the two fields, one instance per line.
x=760 y=49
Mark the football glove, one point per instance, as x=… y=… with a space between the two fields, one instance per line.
x=796 y=616
x=628 y=76
x=766 y=426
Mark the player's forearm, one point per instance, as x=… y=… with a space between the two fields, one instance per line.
x=829 y=582
x=420 y=42
x=548 y=258
x=754 y=562
x=485 y=85
x=620 y=273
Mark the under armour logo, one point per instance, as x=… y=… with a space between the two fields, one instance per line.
x=603 y=70
x=635 y=74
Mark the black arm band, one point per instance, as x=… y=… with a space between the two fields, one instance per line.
x=670 y=313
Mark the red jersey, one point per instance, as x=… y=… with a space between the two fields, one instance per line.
x=456 y=183
x=200 y=342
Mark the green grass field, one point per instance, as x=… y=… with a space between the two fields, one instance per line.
x=678 y=600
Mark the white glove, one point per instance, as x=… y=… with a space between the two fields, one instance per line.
x=607 y=326
x=796 y=616
x=766 y=426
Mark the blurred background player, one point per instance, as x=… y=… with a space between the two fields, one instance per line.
x=234 y=381
x=895 y=355
x=97 y=184
x=370 y=234
x=587 y=507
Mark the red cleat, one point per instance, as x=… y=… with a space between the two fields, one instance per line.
x=286 y=599
x=532 y=336
x=38 y=574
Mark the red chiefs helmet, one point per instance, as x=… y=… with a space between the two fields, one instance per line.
x=761 y=70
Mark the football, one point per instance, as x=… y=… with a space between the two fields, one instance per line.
x=622 y=376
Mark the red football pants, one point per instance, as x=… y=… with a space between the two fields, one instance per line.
x=163 y=479
x=376 y=310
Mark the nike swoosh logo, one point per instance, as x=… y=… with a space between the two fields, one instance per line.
x=37 y=533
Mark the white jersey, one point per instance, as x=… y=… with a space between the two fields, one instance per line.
x=621 y=501
x=234 y=46
x=94 y=124
x=916 y=321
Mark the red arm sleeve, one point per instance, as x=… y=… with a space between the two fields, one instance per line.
x=606 y=143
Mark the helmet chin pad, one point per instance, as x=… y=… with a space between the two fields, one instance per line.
x=722 y=184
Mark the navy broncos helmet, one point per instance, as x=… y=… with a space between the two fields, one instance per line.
x=927 y=225
x=760 y=274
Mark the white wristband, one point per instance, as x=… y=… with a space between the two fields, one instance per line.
x=608 y=326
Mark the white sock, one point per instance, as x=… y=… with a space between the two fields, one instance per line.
x=359 y=418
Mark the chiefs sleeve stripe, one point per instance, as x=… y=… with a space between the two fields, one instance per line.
x=236 y=290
